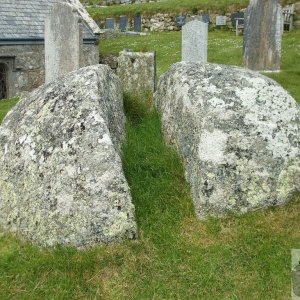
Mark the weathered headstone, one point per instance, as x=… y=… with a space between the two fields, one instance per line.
x=238 y=15
x=180 y=21
x=110 y=23
x=62 y=41
x=206 y=18
x=137 y=71
x=194 y=41
x=137 y=23
x=123 y=23
x=262 y=35
x=221 y=20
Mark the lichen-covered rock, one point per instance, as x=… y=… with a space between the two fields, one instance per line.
x=61 y=178
x=237 y=132
x=137 y=71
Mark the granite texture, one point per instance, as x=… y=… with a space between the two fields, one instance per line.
x=137 y=71
x=61 y=177
x=239 y=138
x=262 y=35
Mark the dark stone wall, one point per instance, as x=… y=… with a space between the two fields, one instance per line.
x=26 y=65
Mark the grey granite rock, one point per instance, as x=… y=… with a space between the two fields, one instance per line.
x=239 y=138
x=61 y=177
x=137 y=71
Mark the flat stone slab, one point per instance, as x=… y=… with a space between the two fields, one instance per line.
x=61 y=177
x=262 y=35
x=239 y=139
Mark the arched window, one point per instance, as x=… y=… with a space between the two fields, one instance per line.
x=3 y=81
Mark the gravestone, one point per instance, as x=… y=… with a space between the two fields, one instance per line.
x=137 y=23
x=262 y=35
x=194 y=41
x=62 y=41
x=123 y=23
x=137 y=71
x=206 y=18
x=180 y=21
x=221 y=20
x=238 y=15
x=110 y=23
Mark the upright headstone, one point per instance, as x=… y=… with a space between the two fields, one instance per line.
x=137 y=23
x=62 y=41
x=194 y=41
x=180 y=20
x=237 y=16
x=262 y=35
x=109 y=23
x=206 y=18
x=123 y=23
x=221 y=20
x=137 y=71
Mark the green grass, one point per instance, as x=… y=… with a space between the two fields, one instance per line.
x=176 y=256
x=5 y=106
x=170 y=6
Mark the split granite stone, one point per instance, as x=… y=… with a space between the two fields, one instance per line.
x=239 y=139
x=61 y=177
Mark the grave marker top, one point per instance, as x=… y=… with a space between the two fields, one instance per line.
x=62 y=41
x=221 y=20
x=262 y=35
x=194 y=41
x=180 y=20
x=137 y=23
x=110 y=23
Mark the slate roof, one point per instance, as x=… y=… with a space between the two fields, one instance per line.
x=24 y=20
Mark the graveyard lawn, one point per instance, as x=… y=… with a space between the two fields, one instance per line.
x=169 y=6
x=176 y=256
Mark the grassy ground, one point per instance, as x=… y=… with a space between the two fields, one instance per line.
x=170 y=6
x=5 y=106
x=176 y=256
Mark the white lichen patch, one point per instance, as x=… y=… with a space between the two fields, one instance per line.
x=212 y=146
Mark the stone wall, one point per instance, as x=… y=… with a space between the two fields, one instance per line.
x=26 y=64
x=164 y=21
x=167 y=21
x=116 y=2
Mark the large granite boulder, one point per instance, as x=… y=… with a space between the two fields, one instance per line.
x=237 y=132
x=61 y=178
